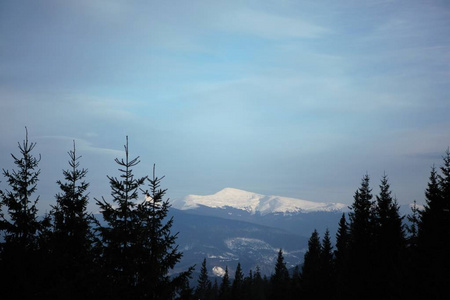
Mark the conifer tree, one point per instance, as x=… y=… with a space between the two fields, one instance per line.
x=342 y=239
x=236 y=287
x=279 y=281
x=158 y=245
x=138 y=248
x=186 y=292
x=20 y=257
x=413 y=228
x=361 y=217
x=412 y=258
x=434 y=233
x=258 y=290
x=361 y=230
x=389 y=243
x=444 y=185
x=224 y=290
x=341 y=259
x=70 y=245
x=248 y=286
x=389 y=227
x=311 y=271
x=327 y=269
x=203 y=284
x=296 y=282
x=215 y=290
x=120 y=238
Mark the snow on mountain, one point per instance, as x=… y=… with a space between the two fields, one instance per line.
x=255 y=203
x=218 y=271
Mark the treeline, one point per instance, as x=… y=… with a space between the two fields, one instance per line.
x=130 y=252
x=69 y=254
x=378 y=254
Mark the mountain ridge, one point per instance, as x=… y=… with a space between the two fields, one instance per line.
x=255 y=203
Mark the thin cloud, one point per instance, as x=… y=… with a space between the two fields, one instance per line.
x=269 y=26
x=84 y=145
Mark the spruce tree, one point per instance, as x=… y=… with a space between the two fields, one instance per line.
x=413 y=227
x=296 y=282
x=21 y=229
x=341 y=259
x=248 y=286
x=120 y=238
x=361 y=230
x=258 y=290
x=203 y=289
x=434 y=233
x=237 y=286
x=327 y=269
x=311 y=270
x=444 y=185
x=215 y=290
x=70 y=243
x=224 y=290
x=412 y=258
x=388 y=243
x=186 y=292
x=138 y=248
x=158 y=245
x=279 y=281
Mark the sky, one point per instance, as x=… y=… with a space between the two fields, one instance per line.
x=291 y=98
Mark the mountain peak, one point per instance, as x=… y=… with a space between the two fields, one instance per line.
x=229 y=191
x=255 y=203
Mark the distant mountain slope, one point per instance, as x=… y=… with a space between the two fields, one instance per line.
x=225 y=242
x=254 y=203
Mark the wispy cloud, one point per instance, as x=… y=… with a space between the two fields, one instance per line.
x=82 y=145
x=269 y=26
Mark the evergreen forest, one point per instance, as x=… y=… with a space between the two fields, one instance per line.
x=131 y=252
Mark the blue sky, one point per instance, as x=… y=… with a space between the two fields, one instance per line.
x=290 y=98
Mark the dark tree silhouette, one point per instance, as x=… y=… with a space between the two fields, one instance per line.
x=20 y=257
x=413 y=227
x=327 y=270
x=158 y=245
x=238 y=282
x=70 y=242
x=120 y=238
x=434 y=234
x=203 y=289
x=361 y=238
x=341 y=257
x=225 y=290
x=138 y=249
x=389 y=244
x=311 y=271
x=258 y=289
x=279 y=281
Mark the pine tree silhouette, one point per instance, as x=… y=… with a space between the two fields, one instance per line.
x=311 y=270
x=20 y=257
x=224 y=290
x=70 y=242
x=279 y=281
x=120 y=237
x=327 y=268
x=434 y=234
x=361 y=240
x=203 y=289
x=237 y=285
x=389 y=244
x=138 y=249
x=341 y=261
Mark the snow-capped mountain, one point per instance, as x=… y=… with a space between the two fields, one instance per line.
x=234 y=226
x=254 y=203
